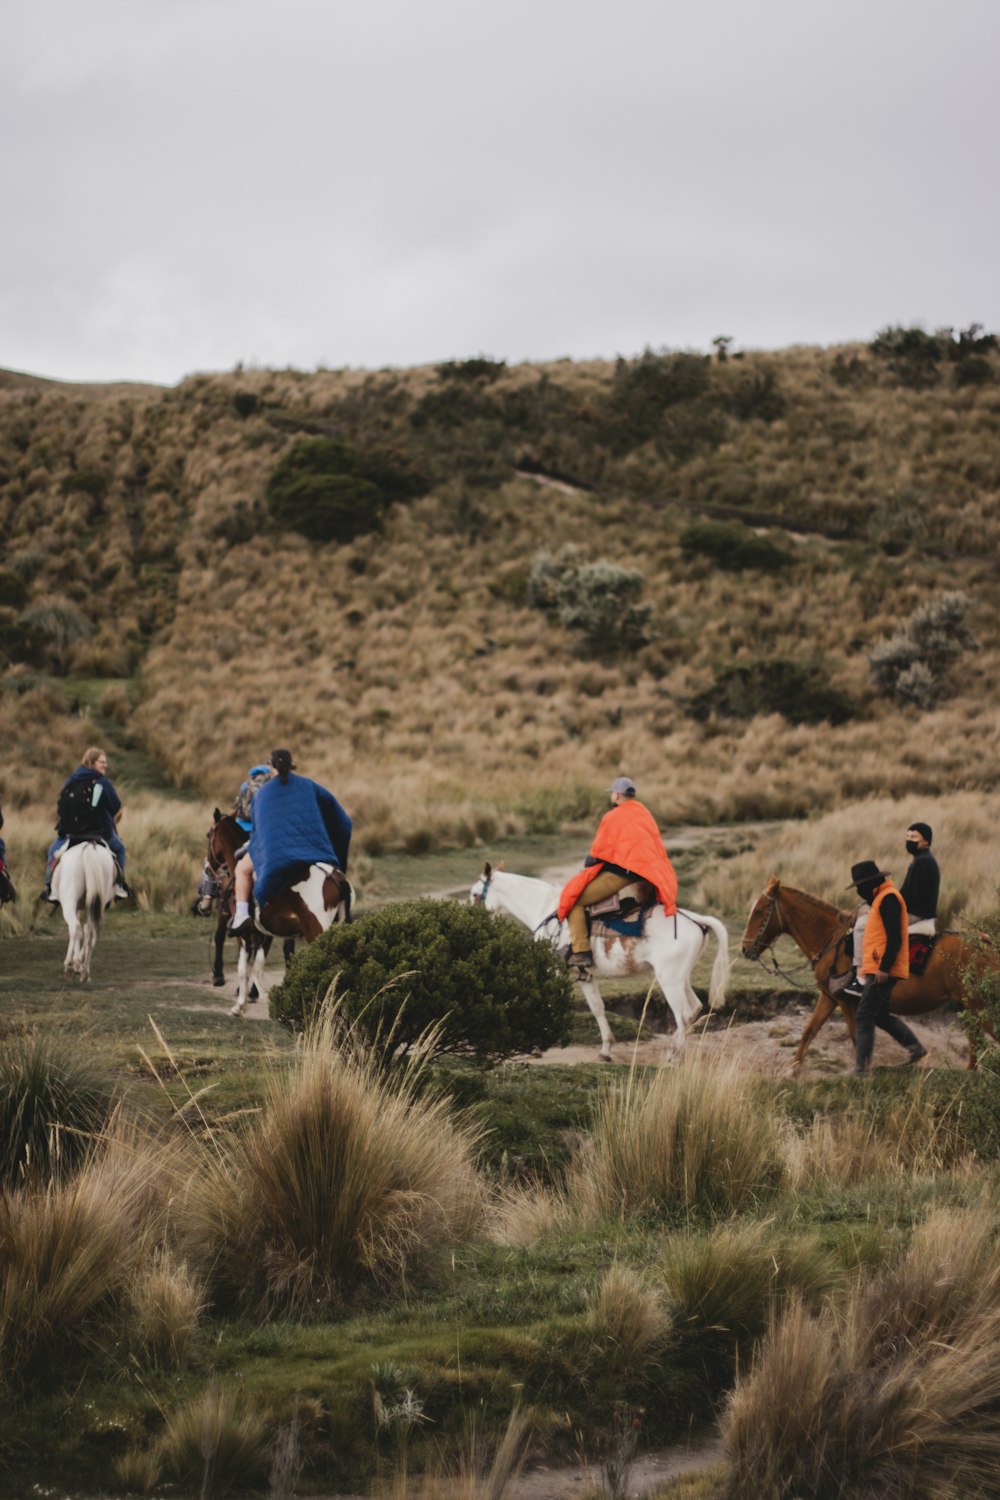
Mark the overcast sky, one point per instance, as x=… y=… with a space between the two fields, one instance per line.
x=185 y=184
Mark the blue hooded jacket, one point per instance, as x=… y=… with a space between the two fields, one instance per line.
x=108 y=803
x=297 y=822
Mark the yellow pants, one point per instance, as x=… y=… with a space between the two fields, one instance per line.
x=603 y=885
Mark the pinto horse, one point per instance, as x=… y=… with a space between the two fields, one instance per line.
x=83 y=883
x=822 y=932
x=670 y=946
x=317 y=896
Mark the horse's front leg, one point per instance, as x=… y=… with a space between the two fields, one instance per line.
x=241 y=981
x=257 y=988
x=592 y=995
x=822 y=1011
x=71 y=963
x=218 y=969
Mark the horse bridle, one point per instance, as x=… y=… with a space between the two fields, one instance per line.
x=486 y=879
x=756 y=948
x=756 y=951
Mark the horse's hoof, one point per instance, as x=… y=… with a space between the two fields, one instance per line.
x=237 y=1009
x=218 y=981
x=604 y=1056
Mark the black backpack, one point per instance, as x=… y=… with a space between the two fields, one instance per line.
x=76 y=812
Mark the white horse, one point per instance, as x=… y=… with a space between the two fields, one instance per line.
x=83 y=883
x=670 y=946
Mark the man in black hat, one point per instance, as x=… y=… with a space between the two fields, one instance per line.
x=919 y=891
x=922 y=882
x=885 y=958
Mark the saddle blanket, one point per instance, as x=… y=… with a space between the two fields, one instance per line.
x=633 y=925
x=921 y=948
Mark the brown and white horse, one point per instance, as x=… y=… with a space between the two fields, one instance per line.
x=316 y=896
x=821 y=930
x=669 y=946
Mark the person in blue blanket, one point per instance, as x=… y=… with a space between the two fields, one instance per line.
x=89 y=807
x=295 y=822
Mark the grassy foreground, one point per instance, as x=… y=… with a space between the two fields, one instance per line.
x=618 y=1246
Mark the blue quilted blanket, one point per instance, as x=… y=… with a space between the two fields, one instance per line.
x=295 y=823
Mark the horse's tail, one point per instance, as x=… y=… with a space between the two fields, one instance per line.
x=348 y=898
x=95 y=884
x=720 y=968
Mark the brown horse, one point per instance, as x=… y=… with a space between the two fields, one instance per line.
x=823 y=932
x=315 y=897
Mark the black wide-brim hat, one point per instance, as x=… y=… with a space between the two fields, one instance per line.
x=863 y=871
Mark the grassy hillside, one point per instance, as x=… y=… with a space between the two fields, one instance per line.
x=786 y=512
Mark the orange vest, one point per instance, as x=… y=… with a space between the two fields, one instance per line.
x=627 y=836
x=874 y=940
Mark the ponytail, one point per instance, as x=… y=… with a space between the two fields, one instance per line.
x=283 y=763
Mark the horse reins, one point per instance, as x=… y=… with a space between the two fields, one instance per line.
x=756 y=952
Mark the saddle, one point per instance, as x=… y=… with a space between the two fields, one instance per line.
x=624 y=913
x=921 y=948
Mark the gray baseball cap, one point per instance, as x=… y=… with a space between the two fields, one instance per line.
x=623 y=784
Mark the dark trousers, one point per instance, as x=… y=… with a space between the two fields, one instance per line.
x=873 y=1010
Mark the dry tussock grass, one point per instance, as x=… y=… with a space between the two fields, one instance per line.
x=347 y=1179
x=696 y=1136
x=73 y=1253
x=817 y=856
x=894 y=1395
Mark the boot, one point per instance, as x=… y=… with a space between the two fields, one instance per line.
x=580 y=964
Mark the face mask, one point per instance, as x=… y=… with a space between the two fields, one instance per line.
x=867 y=892
x=912 y=847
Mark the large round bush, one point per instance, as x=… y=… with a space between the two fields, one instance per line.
x=490 y=987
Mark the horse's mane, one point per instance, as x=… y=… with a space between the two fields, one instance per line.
x=825 y=906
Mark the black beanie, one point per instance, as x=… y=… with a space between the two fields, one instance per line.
x=924 y=830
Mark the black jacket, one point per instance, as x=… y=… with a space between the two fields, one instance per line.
x=921 y=886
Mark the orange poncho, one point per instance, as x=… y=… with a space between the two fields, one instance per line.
x=627 y=836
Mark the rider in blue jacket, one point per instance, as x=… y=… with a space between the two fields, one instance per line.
x=90 y=778
x=295 y=822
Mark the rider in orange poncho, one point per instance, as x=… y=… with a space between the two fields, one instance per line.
x=628 y=846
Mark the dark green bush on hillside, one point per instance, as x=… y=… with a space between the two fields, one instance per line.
x=330 y=493
x=801 y=693
x=479 y=368
x=912 y=355
x=732 y=546
x=494 y=990
x=92 y=482
x=645 y=389
x=13 y=591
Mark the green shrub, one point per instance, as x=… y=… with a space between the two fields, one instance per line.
x=245 y=403
x=490 y=988
x=733 y=547
x=801 y=692
x=13 y=591
x=644 y=389
x=329 y=493
x=479 y=368
x=912 y=665
x=911 y=355
x=602 y=600
x=757 y=395
x=92 y=482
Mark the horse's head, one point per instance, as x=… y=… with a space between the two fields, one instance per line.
x=481 y=893
x=764 y=922
x=224 y=837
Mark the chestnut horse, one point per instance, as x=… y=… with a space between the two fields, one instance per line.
x=317 y=896
x=823 y=932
